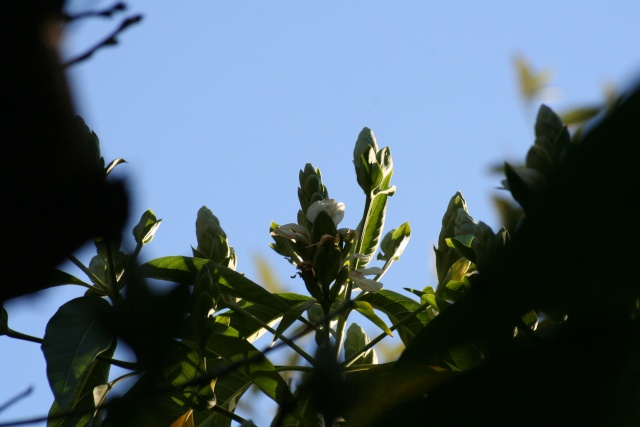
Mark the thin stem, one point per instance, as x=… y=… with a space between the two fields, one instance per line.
x=104 y=13
x=88 y=272
x=284 y=339
x=24 y=337
x=120 y=363
x=342 y=321
x=222 y=411
x=111 y=270
x=287 y=368
x=16 y=398
x=110 y=40
x=132 y=366
x=342 y=318
x=380 y=337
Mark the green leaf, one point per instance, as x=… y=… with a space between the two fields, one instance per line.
x=182 y=269
x=463 y=245
x=147 y=403
x=74 y=337
x=579 y=115
x=531 y=82
x=59 y=277
x=397 y=307
x=146 y=228
x=327 y=262
x=394 y=242
x=427 y=295
x=96 y=377
x=229 y=389
x=322 y=225
x=355 y=341
x=251 y=364
x=366 y=310
x=372 y=227
x=185 y=365
x=465 y=356
x=310 y=417
x=251 y=330
x=291 y=316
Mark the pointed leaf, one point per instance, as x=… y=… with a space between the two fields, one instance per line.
x=59 y=277
x=355 y=341
x=372 y=228
x=184 y=421
x=78 y=332
x=182 y=269
x=146 y=228
x=397 y=307
x=366 y=310
x=251 y=364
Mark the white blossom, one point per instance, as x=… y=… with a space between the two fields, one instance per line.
x=359 y=279
x=330 y=206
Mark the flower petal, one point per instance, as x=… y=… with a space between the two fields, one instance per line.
x=363 y=283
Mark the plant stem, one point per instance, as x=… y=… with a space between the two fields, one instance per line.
x=294 y=368
x=24 y=337
x=111 y=270
x=284 y=339
x=88 y=272
x=132 y=366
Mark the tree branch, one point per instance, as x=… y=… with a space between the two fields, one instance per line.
x=110 y=40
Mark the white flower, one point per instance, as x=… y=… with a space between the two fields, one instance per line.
x=369 y=285
x=330 y=206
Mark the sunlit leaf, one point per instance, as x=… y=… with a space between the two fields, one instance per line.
x=184 y=421
x=364 y=308
x=531 y=82
x=398 y=307
x=146 y=228
x=372 y=227
x=579 y=115
x=182 y=269
x=354 y=342
x=250 y=363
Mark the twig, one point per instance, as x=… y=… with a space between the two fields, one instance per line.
x=110 y=40
x=104 y=13
x=16 y=398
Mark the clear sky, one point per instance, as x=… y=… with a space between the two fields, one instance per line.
x=221 y=103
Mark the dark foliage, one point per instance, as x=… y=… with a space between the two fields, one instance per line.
x=54 y=194
x=572 y=255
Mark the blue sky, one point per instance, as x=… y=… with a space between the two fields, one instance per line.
x=221 y=103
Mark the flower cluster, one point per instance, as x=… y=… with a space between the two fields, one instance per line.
x=329 y=258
